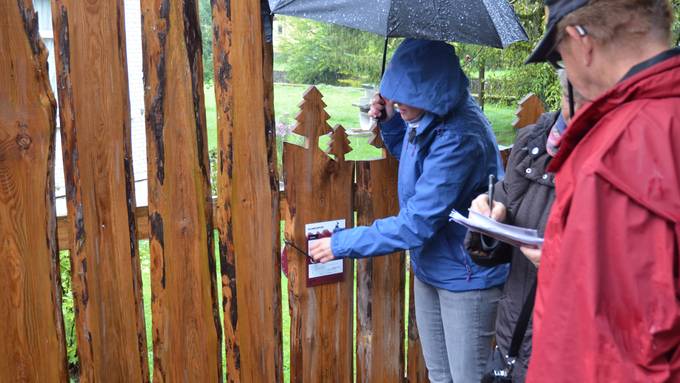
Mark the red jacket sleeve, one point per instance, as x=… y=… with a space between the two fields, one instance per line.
x=609 y=308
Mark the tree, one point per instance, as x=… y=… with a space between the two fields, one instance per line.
x=315 y=53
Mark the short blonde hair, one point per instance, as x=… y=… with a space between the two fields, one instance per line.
x=622 y=21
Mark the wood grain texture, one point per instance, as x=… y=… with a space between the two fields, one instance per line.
x=416 y=370
x=185 y=312
x=106 y=274
x=278 y=200
x=380 y=280
x=318 y=189
x=32 y=330
x=142 y=217
x=248 y=201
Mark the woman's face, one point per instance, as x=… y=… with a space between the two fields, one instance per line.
x=409 y=113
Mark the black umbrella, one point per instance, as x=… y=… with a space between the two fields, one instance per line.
x=484 y=22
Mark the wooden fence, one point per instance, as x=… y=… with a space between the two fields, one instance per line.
x=103 y=225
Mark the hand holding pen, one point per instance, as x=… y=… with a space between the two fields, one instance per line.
x=485 y=204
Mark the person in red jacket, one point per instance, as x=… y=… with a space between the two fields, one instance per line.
x=608 y=307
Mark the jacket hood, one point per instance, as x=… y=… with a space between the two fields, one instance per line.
x=427 y=75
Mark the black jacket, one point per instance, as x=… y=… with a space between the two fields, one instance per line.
x=528 y=193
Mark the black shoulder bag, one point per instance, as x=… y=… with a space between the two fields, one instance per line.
x=499 y=367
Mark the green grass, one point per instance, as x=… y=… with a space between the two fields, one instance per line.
x=501 y=118
x=339 y=102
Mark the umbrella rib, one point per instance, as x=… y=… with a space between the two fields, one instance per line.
x=493 y=22
x=388 y=29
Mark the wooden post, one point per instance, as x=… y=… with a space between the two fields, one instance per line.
x=186 y=323
x=529 y=110
x=380 y=280
x=317 y=189
x=32 y=329
x=482 y=81
x=247 y=207
x=416 y=370
x=95 y=127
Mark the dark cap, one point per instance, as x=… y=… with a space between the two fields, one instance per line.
x=557 y=9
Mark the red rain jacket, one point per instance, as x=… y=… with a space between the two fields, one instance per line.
x=608 y=306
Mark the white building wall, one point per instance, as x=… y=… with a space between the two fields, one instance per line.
x=133 y=32
x=133 y=37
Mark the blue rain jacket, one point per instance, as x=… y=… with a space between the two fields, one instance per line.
x=443 y=164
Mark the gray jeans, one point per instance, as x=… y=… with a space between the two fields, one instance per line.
x=456 y=329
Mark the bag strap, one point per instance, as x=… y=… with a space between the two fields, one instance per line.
x=522 y=323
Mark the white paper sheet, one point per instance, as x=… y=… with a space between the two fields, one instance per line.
x=514 y=235
x=323 y=230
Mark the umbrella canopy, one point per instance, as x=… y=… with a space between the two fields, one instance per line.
x=484 y=22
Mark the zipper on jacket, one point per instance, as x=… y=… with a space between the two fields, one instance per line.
x=469 y=271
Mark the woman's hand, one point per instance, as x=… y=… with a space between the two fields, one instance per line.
x=381 y=108
x=534 y=255
x=481 y=206
x=320 y=250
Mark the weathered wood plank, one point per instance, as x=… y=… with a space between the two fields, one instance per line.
x=248 y=201
x=380 y=280
x=186 y=324
x=416 y=371
x=91 y=65
x=277 y=198
x=318 y=189
x=142 y=217
x=32 y=330
x=224 y=96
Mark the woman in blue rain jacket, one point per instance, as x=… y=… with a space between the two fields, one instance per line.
x=446 y=151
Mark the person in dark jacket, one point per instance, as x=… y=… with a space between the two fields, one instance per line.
x=446 y=151
x=524 y=199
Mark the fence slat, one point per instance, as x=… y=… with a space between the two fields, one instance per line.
x=186 y=324
x=416 y=371
x=318 y=189
x=278 y=201
x=91 y=65
x=32 y=329
x=380 y=281
x=248 y=200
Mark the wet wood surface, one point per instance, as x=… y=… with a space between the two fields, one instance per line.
x=380 y=280
x=142 y=217
x=248 y=202
x=186 y=326
x=95 y=131
x=318 y=189
x=32 y=330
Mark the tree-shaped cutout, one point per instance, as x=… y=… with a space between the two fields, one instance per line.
x=376 y=139
x=530 y=109
x=311 y=120
x=338 y=146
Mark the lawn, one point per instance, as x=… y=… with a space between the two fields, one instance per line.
x=339 y=102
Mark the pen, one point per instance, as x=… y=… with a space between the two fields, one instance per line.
x=492 y=182
x=291 y=244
